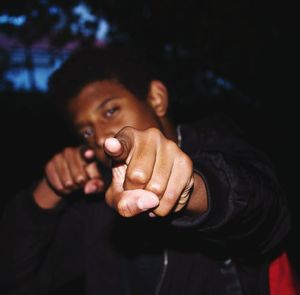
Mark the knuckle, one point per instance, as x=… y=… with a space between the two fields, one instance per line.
x=185 y=161
x=125 y=132
x=124 y=209
x=137 y=176
x=126 y=129
x=68 y=151
x=56 y=158
x=69 y=184
x=153 y=133
x=81 y=178
x=156 y=187
x=170 y=197
x=161 y=212
x=48 y=168
x=171 y=146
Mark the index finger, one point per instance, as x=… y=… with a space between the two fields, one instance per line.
x=119 y=148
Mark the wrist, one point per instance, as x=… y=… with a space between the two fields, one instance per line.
x=198 y=203
x=45 y=197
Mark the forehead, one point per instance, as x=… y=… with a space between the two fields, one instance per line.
x=98 y=91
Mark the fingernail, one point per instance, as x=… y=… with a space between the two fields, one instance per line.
x=145 y=203
x=112 y=145
x=89 y=154
x=151 y=214
x=90 y=189
x=100 y=186
x=80 y=179
x=101 y=182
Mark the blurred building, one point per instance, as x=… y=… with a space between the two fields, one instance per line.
x=28 y=67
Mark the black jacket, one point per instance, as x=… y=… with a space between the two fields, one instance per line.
x=227 y=250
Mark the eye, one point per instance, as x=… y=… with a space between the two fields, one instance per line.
x=111 y=111
x=87 y=132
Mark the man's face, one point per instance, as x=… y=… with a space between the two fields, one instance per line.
x=103 y=108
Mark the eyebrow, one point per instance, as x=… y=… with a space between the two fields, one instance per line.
x=99 y=107
x=106 y=100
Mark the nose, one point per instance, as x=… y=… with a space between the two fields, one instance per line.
x=100 y=136
x=99 y=139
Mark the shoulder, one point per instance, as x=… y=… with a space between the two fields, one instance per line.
x=213 y=124
x=210 y=132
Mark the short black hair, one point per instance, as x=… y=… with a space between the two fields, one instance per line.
x=122 y=63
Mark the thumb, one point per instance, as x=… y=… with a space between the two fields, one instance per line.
x=131 y=202
x=134 y=202
x=94 y=186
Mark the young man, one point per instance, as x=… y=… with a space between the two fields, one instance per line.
x=187 y=210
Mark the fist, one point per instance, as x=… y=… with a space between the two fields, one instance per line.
x=150 y=173
x=74 y=169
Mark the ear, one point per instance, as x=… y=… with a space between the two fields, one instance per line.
x=158 y=98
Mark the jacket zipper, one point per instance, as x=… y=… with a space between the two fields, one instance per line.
x=166 y=255
x=163 y=273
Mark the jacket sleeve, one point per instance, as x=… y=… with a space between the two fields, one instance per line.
x=28 y=250
x=248 y=212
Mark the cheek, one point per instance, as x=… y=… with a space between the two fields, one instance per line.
x=142 y=119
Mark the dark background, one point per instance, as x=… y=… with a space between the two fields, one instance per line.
x=238 y=57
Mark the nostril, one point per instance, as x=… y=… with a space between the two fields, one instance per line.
x=100 y=142
x=101 y=135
